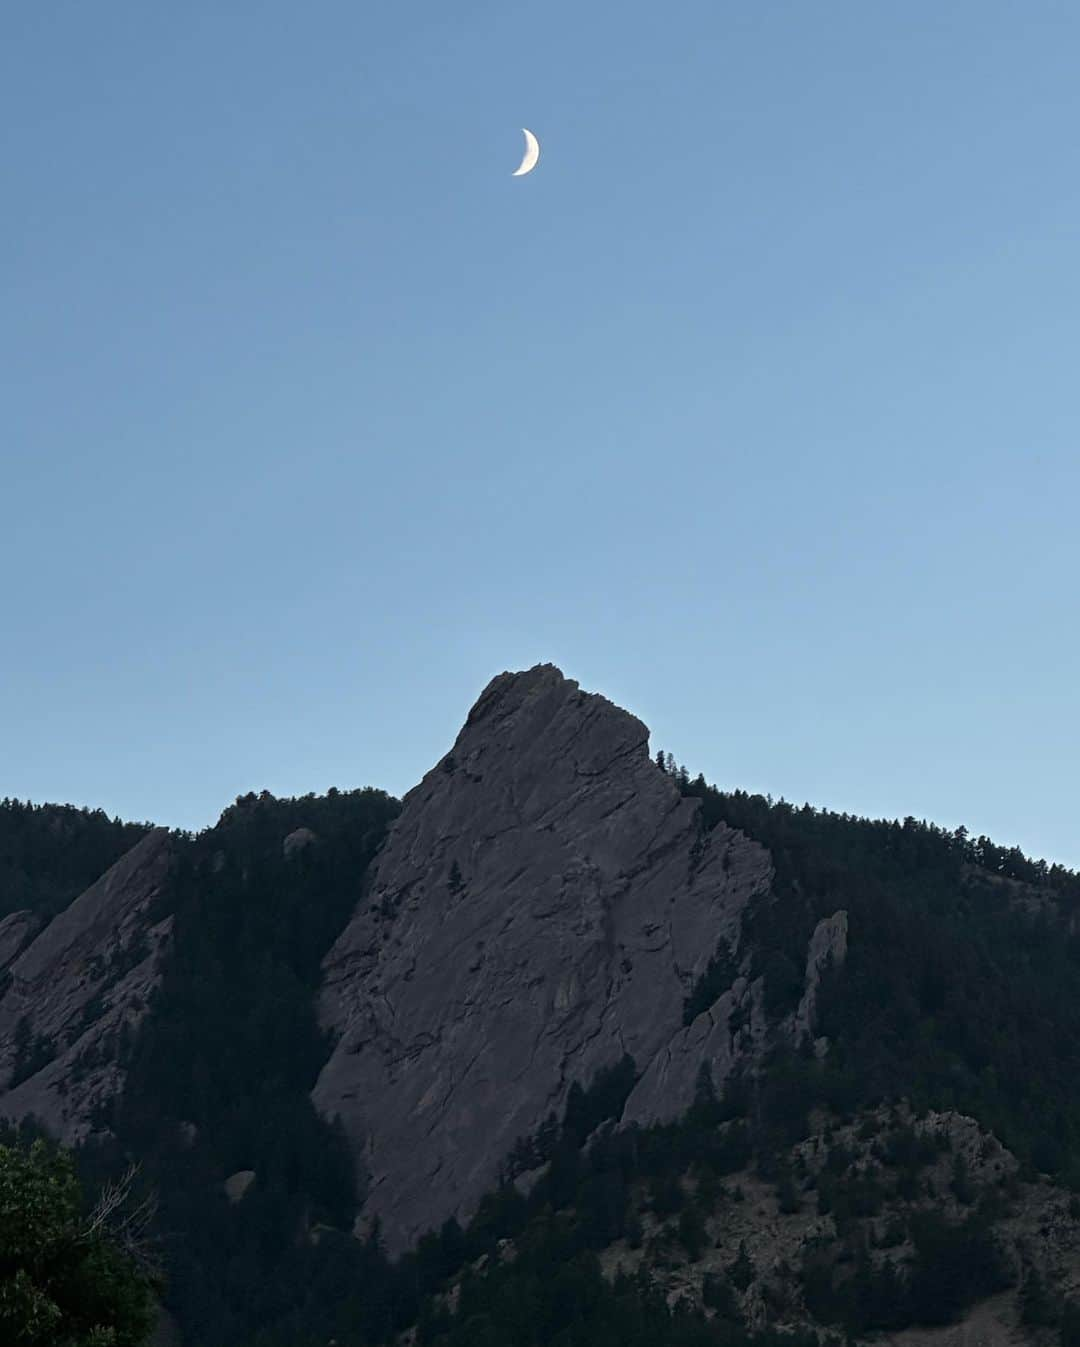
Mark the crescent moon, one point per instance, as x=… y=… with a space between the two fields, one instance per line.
x=532 y=154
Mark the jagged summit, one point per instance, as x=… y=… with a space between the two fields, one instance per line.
x=534 y=700
x=543 y=905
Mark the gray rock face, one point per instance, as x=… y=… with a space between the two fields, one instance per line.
x=827 y=944
x=666 y=1089
x=16 y=931
x=544 y=904
x=236 y=1185
x=81 y=983
x=298 y=840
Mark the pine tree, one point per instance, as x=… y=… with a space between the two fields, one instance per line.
x=1036 y=1306
x=692 y=1233
x=742 y=1271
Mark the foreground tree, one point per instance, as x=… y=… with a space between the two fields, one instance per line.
x=66 y=1279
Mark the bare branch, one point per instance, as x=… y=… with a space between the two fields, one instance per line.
x=124 y=1222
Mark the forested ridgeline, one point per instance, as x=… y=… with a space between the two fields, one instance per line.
x=50 y=853
x=960 y=991
x=937 y=935
x=221 y=1073
x=961 y=986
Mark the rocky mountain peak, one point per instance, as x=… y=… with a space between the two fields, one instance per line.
x=544 y=905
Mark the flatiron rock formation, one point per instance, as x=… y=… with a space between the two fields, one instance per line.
x=75 y=990
x=545 y=903
x=16 y=931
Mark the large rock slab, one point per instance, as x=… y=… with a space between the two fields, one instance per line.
x=16 y=931
x=543 y=905
x=77 y=989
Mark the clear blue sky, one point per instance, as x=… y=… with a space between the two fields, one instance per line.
x=755 y=407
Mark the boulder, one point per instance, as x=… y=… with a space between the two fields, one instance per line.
x=298 y=840
x=236 y=1185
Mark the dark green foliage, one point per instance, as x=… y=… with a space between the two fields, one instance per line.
x=960 y=1184
x=848 y=1196
x=706 y=1110
x=602 y=1204
x=876 y=1298
x=604 y=1099
x=905 y=1148
x=692 y=1233
x=871 y=1298
x=62 y=1282
x=50 y=853
x=952 y=994
x=717 y=978
x=784 y=983
x=666 y=1196
x=601 y=1101
x=726 y=1151
x=1070 y=1324
x=580 y=1205
x=554 y=1295
x=709 y=1192
x=32 y=1053
x=819 y=1291
x=716 y=1294
x=789 y=1087
x=894 y=1234
x=742 y=1271
x=1037 y=1308
x=787 y=1194
x=955 y=1265
x=232 y=1046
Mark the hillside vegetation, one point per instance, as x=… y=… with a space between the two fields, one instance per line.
x=918 y=1160
x=50 y=853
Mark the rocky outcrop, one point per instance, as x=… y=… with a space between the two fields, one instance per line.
x=16 y=931
x=731 y=1031
x=236 y=1185
x=828 y=948
x=545 y=904
x=298 y=840
x=1033 y=1224
x=77 y=989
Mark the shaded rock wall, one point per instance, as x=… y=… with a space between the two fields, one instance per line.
x=16 y=931
x=544 y=904
x=828 y=946
x=74 y=989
